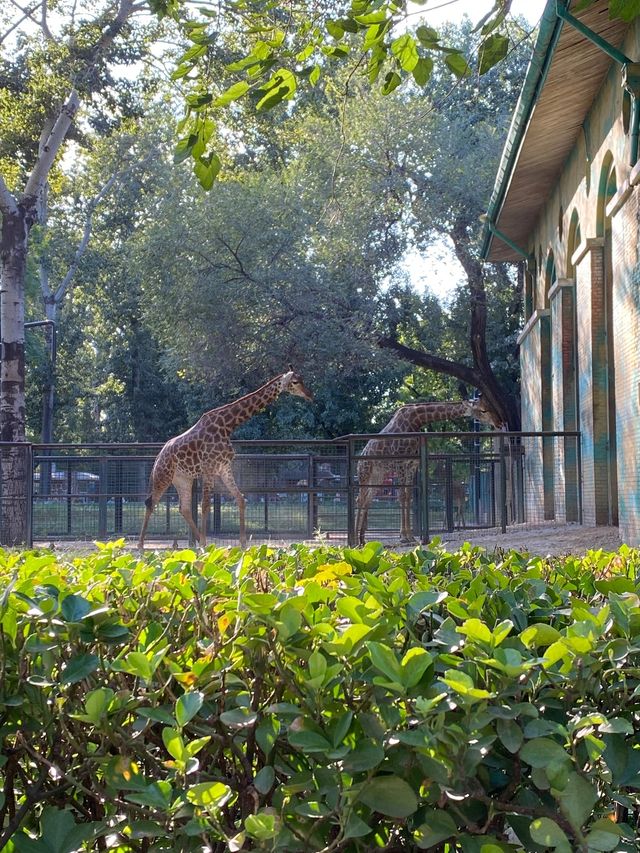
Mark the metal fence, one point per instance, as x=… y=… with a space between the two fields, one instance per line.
x=302 y=490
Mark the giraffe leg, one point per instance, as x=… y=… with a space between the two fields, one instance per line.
x=183 y=484
x=226 y=475
x=406 y=533
x=206 y=503
x=365 y=496
x=156 y=492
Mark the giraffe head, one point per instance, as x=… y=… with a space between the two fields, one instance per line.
x=481 y=411
x=292 y=383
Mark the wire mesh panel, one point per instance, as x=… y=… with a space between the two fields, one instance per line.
x=388 y=487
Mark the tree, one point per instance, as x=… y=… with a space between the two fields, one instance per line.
x=44 y=82
x=274 y=52
x=445 y=174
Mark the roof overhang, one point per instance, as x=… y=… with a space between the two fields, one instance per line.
x=565 y=74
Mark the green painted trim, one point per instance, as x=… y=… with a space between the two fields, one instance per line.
x=497 y=233
x=609 y=49
x=550 y=28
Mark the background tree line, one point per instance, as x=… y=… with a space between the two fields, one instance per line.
x=182 y=300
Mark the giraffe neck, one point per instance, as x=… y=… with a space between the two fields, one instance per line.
x=413 y=417
x=241 y=410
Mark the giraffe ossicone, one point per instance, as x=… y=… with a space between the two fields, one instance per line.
x=205 y=450
x=410 y=418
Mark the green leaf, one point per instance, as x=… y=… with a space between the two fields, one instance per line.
x=391 y=81
x=539 y=635
x=355 y=827
x=463 y=684
x=267 y=733
x=510 y=734
x=182 y=151
x=74 y=608
x=414 y=665
x=281 y=86
x=187 y=706
x=334 y=29
x=389 y=795
x=264 y=779
x=206 y=170
x=435 y=829
x=262 y=826
x=157 y=795
x=365 y=756
x=492 y=50
x=385 y=661
x=428 y=36
x=97 y=703
x=545 y=831
x=476 y=631
x=576 y=799
x=174 y=743
x=239 y=718
x=232 y=94
x=79 y=667
x=405 y=51
x=209 y=795
x=604 y=835
x=423 y=70
x=458 y=64
x=542 y=752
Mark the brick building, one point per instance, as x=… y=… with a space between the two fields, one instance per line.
x=566 y=205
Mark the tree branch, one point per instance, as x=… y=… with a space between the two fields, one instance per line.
x=51 y=147
x=432 y=362
x=26 y=13
x=8 y=203
x=58 y=296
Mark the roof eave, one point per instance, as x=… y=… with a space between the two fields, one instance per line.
x=548 y=34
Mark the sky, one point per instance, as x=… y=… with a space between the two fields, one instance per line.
x=437 y=268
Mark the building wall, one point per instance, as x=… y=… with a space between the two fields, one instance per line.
x=599 y=185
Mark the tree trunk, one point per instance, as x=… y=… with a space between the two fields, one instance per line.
x=13 y=255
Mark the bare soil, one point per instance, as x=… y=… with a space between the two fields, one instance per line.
x=541 y=540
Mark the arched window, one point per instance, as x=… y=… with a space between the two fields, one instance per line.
x=573 y=241
x=549 y=277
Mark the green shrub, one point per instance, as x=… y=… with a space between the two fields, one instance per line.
x=319 y=700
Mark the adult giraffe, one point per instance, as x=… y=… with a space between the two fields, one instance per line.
x=205 y=450
x=409 y=418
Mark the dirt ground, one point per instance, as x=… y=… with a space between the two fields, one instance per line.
x=553 y=539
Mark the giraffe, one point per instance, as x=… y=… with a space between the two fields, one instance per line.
x=409 y=418
x=205 y=450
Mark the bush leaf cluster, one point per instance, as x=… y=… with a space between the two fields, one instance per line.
x=319 y=700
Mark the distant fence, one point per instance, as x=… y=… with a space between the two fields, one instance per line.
x=301 y=490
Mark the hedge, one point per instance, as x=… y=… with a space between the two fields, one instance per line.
x=319 y=700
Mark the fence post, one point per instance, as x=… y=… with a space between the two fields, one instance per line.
x=102 y=498
x=29 y=469
x=312 y=509
x=350 y=496
x=424 y=491
x=579 y=461
x=503 y=485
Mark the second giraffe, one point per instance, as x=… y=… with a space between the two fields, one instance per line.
x=409 y=418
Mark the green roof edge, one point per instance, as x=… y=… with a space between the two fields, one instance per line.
x=548 y=34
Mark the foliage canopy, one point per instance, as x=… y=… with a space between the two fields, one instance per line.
x=332 y=700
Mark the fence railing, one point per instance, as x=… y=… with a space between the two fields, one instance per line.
x=418 y=484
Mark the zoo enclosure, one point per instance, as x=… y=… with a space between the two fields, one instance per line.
x=299 y=490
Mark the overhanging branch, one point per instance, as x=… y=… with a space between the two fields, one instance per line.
x=50 y=149
x=432 y=362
